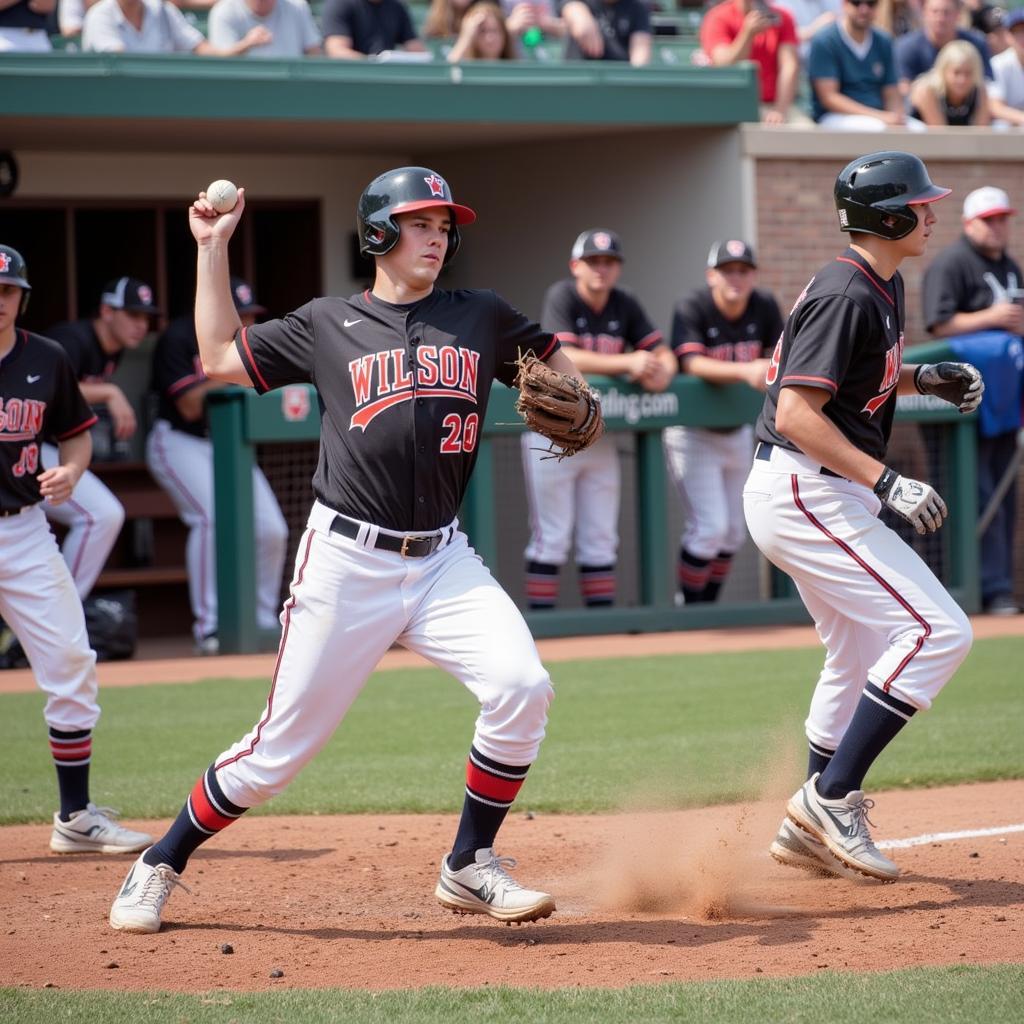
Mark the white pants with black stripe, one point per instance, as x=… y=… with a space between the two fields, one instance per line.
x=349 y=603
x=879 y=610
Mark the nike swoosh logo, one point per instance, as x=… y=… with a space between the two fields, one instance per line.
x=352 y=323
x=847 y=830
x=129 y=887
x=32 y=378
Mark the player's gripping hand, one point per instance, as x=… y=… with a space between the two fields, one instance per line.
x=208 y=225
x=960 y=384
x=916 y=502
x=56 y=484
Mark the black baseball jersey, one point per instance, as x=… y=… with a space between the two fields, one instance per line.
x=845 y=335
x=620 y=326
x=39 y=400
x=402 y=391
x=699 y=328
x=176 y=370
x=79 y=340
x=962 y=280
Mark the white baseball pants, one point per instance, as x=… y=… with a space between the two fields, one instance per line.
x=349 y=603
x=879 y=610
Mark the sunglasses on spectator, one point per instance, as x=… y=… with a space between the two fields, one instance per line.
x=862 y=3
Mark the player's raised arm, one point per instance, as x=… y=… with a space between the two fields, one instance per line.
x=216 y=319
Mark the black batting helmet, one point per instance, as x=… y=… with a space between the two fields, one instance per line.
x=13 y=271
x=404 y=190
x=874 y=193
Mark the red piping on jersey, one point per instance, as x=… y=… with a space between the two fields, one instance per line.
x=691 y=348
x=651 y=339
x=81 y=428
x=186 y=383
x=544 y=355
x=289 y=605
x=926 y=628
x=252 y=361
x=367 y=296
x=818 y=380
x=878 y=287
x=567 y=337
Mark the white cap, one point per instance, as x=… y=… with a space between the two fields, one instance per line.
x=986 y=202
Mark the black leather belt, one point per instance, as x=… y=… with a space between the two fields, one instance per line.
x=413 y=545
x=763 y=451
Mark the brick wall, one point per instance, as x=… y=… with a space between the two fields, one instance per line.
x=797 y=233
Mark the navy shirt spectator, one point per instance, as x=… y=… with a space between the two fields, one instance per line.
x=607 y=30
x=354 y=29
x=916 y=51
x=24 y=25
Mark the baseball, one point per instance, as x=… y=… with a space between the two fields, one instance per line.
x=222 y=195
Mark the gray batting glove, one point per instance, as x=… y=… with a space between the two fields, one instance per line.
x=918 y=503
x=960 y=384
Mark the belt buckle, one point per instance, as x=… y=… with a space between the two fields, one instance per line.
x=406 y=540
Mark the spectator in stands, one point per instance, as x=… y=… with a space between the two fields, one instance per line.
x=953 y=91
x=93 y=515
x=916 y=51
x=531 y=21
x=444 y=19
x=152 y=26
x=483 y=36
x=898 y=17
x=608 y=30
x=1008 y=68
x=811 y=16
x=70 y=15
x=974 y=286
x=740 y=30
x=179 y=454
x=989 y=21
x=356 y=29
x=853 y=74
x=287 y=26
x=24 y=25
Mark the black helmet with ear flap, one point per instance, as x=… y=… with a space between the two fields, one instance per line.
x=14 y=271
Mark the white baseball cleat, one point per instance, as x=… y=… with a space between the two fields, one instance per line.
x=842 y=825
x=796 y=848
x=93 y=831
x=140 y=901
x=486 y=887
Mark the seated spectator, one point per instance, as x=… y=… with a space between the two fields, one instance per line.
x=811 y=16
x=988 y=21
x=916 y=51
x=898 y=17
x=152 y=26
x=286 y=26
x=608 y=30
x=24 y=25
x=853 y=74
x=444 y=19
x=70 y=15
x=953 y=92
x=530 y=21
x=1008 y=68
x=483 y=36
x=740 y=30
x=356 y=29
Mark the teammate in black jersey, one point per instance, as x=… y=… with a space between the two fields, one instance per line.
x=893 y=634
x=39 y=397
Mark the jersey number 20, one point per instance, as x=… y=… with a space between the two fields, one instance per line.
x=462 y=434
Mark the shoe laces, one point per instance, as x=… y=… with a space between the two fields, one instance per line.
x=859 y=817
x=497 y=869
x=158 y=887
x=103 y=812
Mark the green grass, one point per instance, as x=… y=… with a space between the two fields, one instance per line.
x=689 y=730
x=958 y=995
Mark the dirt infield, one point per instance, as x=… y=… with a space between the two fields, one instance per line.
x=347 y=901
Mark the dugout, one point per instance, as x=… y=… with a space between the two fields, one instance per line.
x=110 y=148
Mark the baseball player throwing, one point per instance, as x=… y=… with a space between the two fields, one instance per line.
x=893 y=635
x=719 y=333
x=403 y=373
x=39 y=397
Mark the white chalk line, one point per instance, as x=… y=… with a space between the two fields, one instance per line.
x=944 y=837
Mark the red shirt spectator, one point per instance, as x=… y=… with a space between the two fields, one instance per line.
x=723 y=24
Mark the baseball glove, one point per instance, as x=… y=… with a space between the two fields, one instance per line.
x=565 y=410
x=960 y=384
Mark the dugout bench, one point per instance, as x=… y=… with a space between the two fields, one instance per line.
x=240 y=419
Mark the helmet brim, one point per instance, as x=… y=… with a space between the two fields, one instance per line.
x=462 y=214
x=929 y=195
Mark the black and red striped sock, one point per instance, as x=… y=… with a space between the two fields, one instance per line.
x=207 y=811
x=720 y=566
x=541 y=585
x=72 y=752
x=694 y=574
x=491 y=788
x=597 y=585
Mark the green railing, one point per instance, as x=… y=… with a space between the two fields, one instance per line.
x=240 y=420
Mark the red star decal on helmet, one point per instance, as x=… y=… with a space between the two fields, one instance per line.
x=436 y=185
